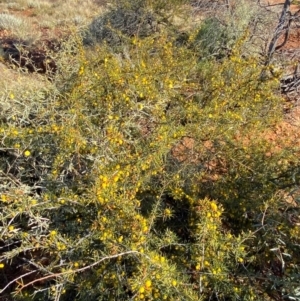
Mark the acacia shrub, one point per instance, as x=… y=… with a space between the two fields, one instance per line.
x=131 y=183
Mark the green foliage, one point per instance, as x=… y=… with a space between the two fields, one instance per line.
x=131 y=18
x=211 y=38
x=20 y=28
x=220 y=31
x=120 y=22
x=146 y=175
x=10 y=22
x=156 y=5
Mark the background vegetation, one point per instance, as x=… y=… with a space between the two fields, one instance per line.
x=139 y=164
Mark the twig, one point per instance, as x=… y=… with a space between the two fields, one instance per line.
x=278 y=31
x=263 y=217
x=16 y=279
x=70 y=271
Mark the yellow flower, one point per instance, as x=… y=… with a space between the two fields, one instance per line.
x=168 y=212
x=3 y=198
x=206 y=263
x=11 y=228
x=142 y=290
x=1 y=265
x=27 y=153
x=213 y=206
x=148 y=283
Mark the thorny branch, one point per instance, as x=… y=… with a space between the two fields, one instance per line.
x=63 y=273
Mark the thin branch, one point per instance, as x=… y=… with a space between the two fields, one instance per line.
x=278 y=31
x=263 y=217
x=70 y=271
x=16 y=279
